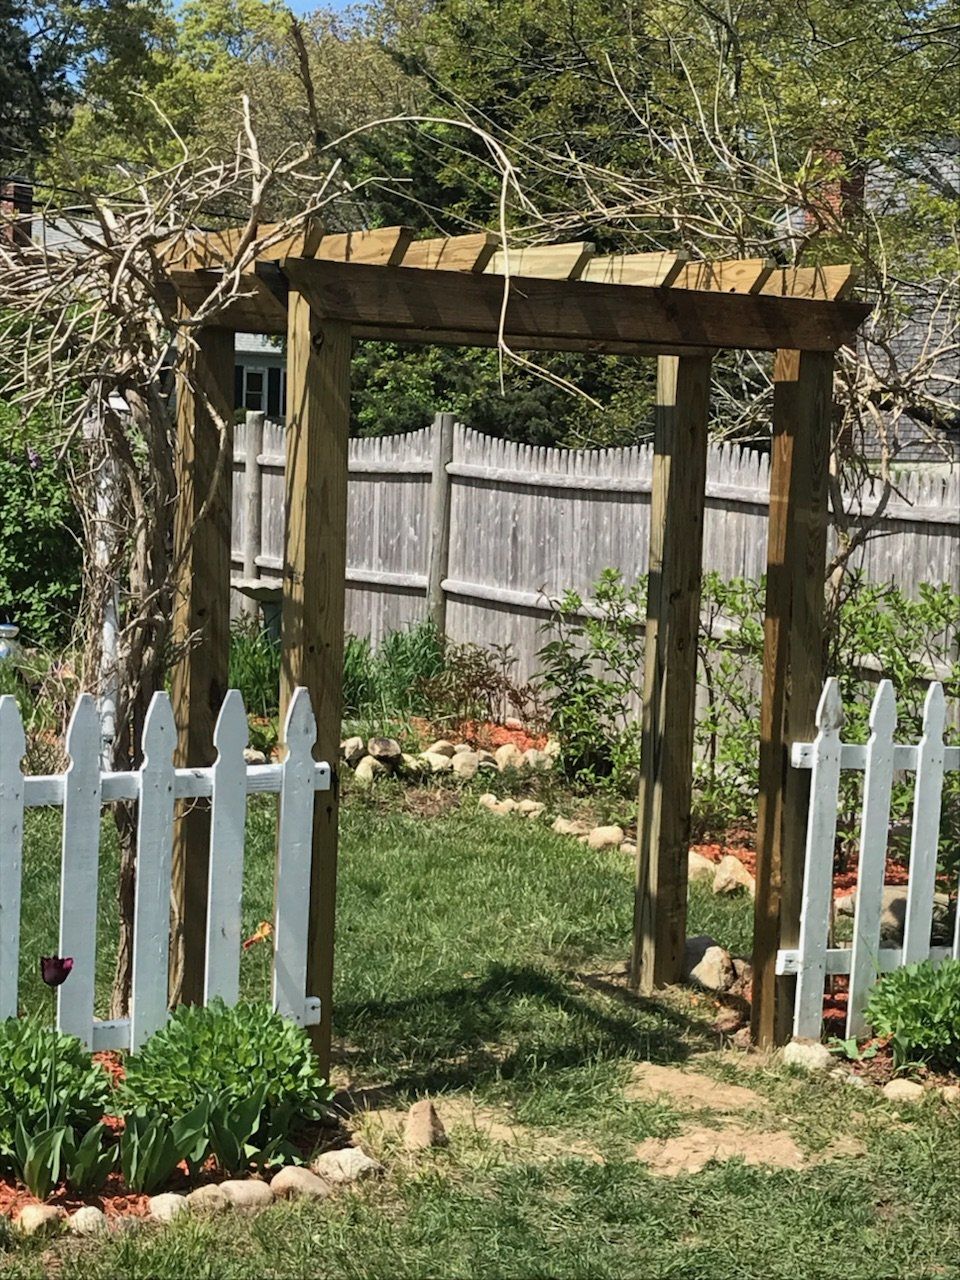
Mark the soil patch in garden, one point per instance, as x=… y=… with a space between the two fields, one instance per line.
x=693 y=1150
x=688 y=1090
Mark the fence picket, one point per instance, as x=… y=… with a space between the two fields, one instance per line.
x=874 y=832
x=227 y=818
x=12 y=747
x=818 y=870
x=926 y=828
x=294 y=856
x=80 y=869
x=151 y=921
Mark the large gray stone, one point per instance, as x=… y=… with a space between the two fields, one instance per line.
x=465 y=764
x=348 y=1164
x=808 y=1055
x=386 y=750
x=699 y=867
x=88 y=1221
x=437 y=762
x=708 y=964
x=423 y=1127
x=167 y=1206
x=894 y=913
x=39 y=1219
x=369 y=768
x=570 y=827
x=731 y=876
x=440 y=748
x=509 y=756
x=207 y=1199
x=353 y=750
x=295 y=1183
x=247 y=1194
x=900 y=1090
x=605 y=837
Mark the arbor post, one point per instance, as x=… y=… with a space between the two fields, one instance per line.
x=201 y=626
x=314 y=584
x=670 y=670
x=793 y=667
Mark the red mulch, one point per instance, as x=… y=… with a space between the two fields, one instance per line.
x=485 y=735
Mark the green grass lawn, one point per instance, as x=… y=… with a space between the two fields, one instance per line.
x=478 y=962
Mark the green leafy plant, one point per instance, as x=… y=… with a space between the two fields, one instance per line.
x=850 y=1048
x=250 y=1072
x=152 y=1146
x=39 y=1156
x=33 y=1056
x=255 y=667
x=477 y=683
x=91 y=1159
x=592 y=679
x=918 y=1007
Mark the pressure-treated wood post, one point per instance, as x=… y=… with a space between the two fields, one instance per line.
x=252 y=503
x=793 y=667
x=201 y=624
x=439 y=521
x=670 y=670
x=314 y=585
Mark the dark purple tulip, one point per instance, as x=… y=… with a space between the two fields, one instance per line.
x=33 y=458
x=55 y=969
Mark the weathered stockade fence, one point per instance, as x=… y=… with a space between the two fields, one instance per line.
x=82 y=791
x=480 y=532
x=814 y=958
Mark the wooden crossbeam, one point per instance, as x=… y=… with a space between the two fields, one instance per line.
x=433 y=304
x=547 y=261
x=210 y=250
x=452 y=253
x=736 y=275
x=651 y=269
x=811 y=282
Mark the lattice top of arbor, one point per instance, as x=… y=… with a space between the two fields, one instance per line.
x=387 y=285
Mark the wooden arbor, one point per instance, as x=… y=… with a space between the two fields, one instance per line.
x=321 y=292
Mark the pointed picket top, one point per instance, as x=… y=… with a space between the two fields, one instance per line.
x=83 y=731
x=883 y=712
x=231 y=732
x=830 y=708
x=159 y=731
x=934 y=713
x=300 y=727
x=13 y=742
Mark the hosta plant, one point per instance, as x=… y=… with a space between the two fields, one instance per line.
x=918 y=1007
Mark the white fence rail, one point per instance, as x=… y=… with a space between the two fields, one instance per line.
x=82 y=790
x=879 y=760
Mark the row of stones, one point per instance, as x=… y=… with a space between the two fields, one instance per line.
x=246 y=1195
x=423 y=1128
x=811 y=1055
x=380 y=756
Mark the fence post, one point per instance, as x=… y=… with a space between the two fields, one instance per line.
x=252 y=503
x=439 y=520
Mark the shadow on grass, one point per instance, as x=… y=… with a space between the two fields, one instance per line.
x=516 y=1023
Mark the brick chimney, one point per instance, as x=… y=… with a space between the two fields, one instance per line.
x=16 y=209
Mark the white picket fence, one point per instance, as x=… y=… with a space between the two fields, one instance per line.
x=82 y=790
x=880 y=759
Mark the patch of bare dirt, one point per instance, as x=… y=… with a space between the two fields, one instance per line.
x=688 y=1090
x=693 y=1150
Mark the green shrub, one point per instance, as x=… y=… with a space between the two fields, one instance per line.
x=31 y=1056
x=593 y=680
x=391 y=678
x=919 y=1008
x=218 y=1057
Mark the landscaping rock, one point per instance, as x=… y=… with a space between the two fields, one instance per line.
x=353 y=751
x=487 y=759
x=570 y=827
x=437 y=762
x=207 y=1199
x=294 y=1183
x=509 y=756
x=487 y=800
x=730 y=876
x=460 y=747
x=605 y=837
x=708 y=964
x=465 y=764
x=539 y=761
x=349 y=1164
x=530 y=808
x=502 y=807
x=412 y=766
x=88 y=1221
x=369 y=768
x=440 y=748
x=166 y=1206
x=387 y=750
x=252 y=756
x=39 y=1219
x=552 y=747
x=424 y=1128
x=512 y=722
x=628 y=847
x=950 y=1093
x=247 y=1195
x=899 y=1090
x=699 y=867
x=809 y=1055
x=894 y=913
